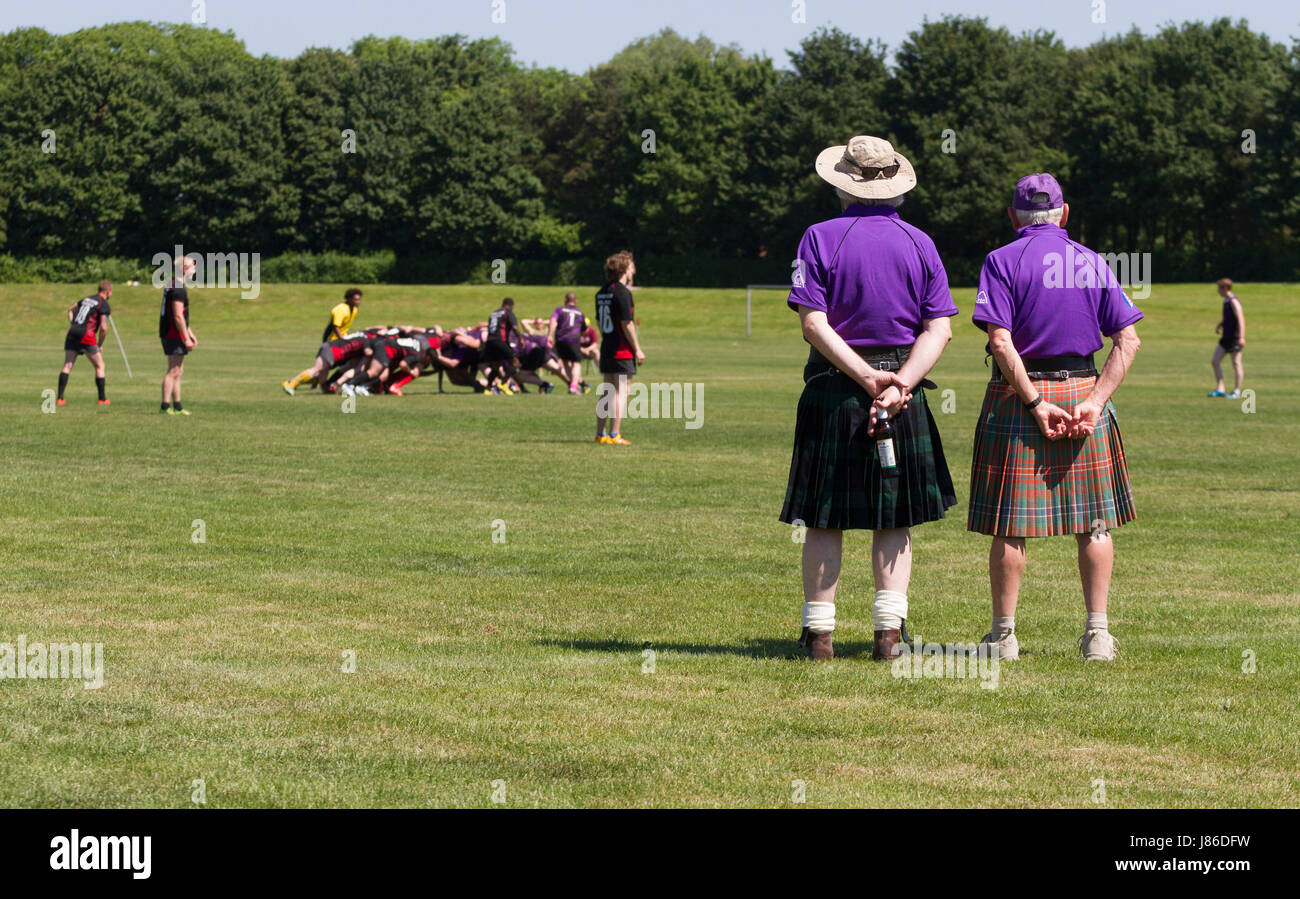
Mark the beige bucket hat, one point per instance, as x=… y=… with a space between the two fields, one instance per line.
x=867 y=167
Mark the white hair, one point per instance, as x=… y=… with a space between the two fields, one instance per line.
x=1039 y=216
x=847 y=199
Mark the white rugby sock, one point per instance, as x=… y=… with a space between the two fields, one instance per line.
x=888 y=610
x=1096 y=622
x=1003 y=626
x=819 y=617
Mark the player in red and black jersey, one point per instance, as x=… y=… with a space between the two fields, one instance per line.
x=86 y=335
x=332 y=353
x=178 y=339
x=502 y=336
x=620 y=350
x=388 y=355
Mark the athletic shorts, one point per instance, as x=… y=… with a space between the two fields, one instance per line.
x=569 y=352
x=73 y=345
x=534 y=358
x=617 y=366
x=496 y=351
x=1229 y=346
x=174 y=347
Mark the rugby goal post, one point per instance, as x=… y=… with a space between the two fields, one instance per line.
x=749 y=299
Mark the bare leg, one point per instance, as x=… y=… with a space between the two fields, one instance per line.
x=1238 y=369
x=822 y=552
x=1006 y=568
x=1096 y=561
x=69 y=357
x=891 y=559
x=1218 y=369
x=621 y=408
x=607 y=394
x=171 y=386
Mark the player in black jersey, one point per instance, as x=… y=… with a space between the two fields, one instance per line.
x=86 y=335
x=498 y=350
x=177 y=338
x=620 y=347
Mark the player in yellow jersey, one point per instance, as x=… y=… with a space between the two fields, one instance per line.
x=341 y=318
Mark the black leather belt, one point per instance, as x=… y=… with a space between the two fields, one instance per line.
x=883 y=358
x=1054 y=368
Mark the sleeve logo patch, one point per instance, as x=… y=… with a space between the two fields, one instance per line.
x=982 y=298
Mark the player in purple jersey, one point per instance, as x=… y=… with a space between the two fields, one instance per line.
x=564 y=336
x=536 y=354
x=460 y=358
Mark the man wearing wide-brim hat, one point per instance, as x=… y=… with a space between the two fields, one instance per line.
x=1048 y=457
x=872 y=296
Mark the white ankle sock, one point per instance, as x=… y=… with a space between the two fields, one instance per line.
x=1003 y=626
x=1096 y=622
x=819 y=617
x=888 y=610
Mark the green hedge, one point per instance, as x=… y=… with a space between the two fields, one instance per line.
x=387 y=268
x=652 y=270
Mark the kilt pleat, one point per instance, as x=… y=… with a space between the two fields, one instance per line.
x=835 y=478
x=1024 y=485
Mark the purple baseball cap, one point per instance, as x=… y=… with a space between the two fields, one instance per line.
x=1035 y=192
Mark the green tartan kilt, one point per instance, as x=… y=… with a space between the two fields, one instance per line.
x=835 y=477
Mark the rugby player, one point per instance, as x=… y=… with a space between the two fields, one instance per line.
x=432 y=358
x=459 y=359
x=564 y=335
x=535 y=353
x=385 y=355
x=86 y=335
x=338 y=328
x=177 y=337
x=332 y=353
x=620 y=351
x=342 y=316
x=497 y=352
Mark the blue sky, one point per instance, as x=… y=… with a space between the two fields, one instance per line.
x=576 y=34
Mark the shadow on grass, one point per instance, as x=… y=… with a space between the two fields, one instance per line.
x=753 y=648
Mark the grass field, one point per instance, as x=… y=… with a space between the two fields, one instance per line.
x=521 y=662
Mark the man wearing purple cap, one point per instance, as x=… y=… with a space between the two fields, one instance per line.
x=872 y=297
x=1048 y=456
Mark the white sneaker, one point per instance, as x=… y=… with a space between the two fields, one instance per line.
x=348 y=390
x=363 y=391
x=1098 y=646
x=1008 y=647
x=287 y=388
x=1235 y=395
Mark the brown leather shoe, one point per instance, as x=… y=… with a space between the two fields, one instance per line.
x=886 y=645
x=819 y=646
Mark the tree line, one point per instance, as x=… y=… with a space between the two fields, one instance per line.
x=444 y=154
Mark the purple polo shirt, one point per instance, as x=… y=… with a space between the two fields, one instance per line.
x=876 y=277
x=1055 y=296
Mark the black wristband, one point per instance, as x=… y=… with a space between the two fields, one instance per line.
x=1037 y=400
